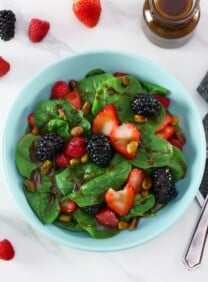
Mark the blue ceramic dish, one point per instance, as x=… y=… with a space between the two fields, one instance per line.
x=76 y=66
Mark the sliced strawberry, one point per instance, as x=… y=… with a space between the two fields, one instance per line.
x=7 y=251
x=125 y=139
x=31 y=119
x=62 y=160
x=135 y=179
x=165 y=122
x=87 y=11
x=59 y=89
x=165 y=101
x=107 y=217
x=106 y=120
x=120 y=201
x=166 y=133
x=75 y=147
x=67 y=206
x=74 y=98
x=176 y=142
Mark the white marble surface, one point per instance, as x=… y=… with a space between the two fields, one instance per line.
x=38 y=258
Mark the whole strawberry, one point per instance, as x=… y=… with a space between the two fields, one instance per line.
x=38 y=29
x=4 y=66
x=87 y=11
x=6 y=250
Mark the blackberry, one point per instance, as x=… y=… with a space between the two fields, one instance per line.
x=163 y=185
x=99 y=149
x=48 y=146
x=7 y=24
x=93 y=209
x=145 y=104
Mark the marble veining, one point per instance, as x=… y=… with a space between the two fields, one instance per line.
x=39 y=258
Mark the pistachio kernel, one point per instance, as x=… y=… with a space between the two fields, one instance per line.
x=45 y=167
x=140 y=119
x=175 y=120
x=64 y=218
x=84 y=158
x=77 y=131
x=125 y=80
x=86 y=108
x=147 y=183
x=35 y=130
x=74 y=162
x=122 y=225
x=30 y=185
x=132 y=147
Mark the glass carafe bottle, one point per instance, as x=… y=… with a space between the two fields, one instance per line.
x=170 y=23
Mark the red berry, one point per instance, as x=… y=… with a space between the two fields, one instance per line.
x=31 y=119
x=87 y=11
x=107 y=217
x=74 y=98
x=163 y=100
x=75 y=147
x=62 y=160
x=4 y=66
x=59 y=90
x=38 y=29
x=67 y=206
x=6 y=250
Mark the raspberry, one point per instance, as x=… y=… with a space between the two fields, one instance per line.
x=75 y=147
x=59 y=90
x=6 y=250
x=62 y=160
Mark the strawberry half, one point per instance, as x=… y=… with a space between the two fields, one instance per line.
x=125 y=139
x=4 y=66
x=74 y=98
x=135 y=179
x=6 y=250
x=38 y=30
x=106 y=120
x=107 y=217
x=87 y=11
x=120 y=201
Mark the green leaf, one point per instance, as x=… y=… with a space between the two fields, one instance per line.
x=89 y=85
x=93 y=191
x=59 y=126
x=40 y=203
x=141 y=206
x=114 y=91
x=154 y=88
x=88 y=223
x=153 y=152
x=71 y=226
x=73 y=177
x=22 y=155
x=177 y=164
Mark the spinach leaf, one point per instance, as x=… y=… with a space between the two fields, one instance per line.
x=114 y=91
x=154 y=88
x=89 y=223
x=177 y=164
x=153 y=152
x=92 y=192
x=51 y=114
x=22 y=155
x=89 y=85
x=71 y=226
x=72 y=178
x=40 y=203
x=140 y=206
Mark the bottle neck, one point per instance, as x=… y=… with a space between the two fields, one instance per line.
x=164 y=11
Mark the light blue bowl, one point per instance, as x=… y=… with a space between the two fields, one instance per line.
x=76 y=66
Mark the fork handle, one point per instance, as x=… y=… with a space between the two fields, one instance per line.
x=194 y=252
